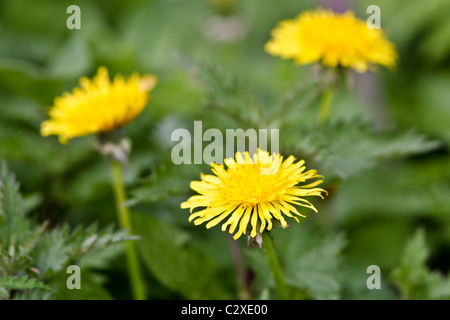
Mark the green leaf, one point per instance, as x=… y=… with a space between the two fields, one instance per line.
x=174 y=263
x=165 y=181
x=14 y=227
x=20 y=145
x=34 y=294
x=412 y=276
x=101 y=258
x=12 y=264
x=20 y=111
x=55 y=249
x=22 y=283
x=347 y=148
x=4 y=293
x=71 y=59
x=51 y=252
x=227 y=95
x=84 y=241
x=10 y=199
x=416 y=189
x=92 y=287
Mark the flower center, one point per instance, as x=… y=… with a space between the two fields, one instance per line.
x=247 y=184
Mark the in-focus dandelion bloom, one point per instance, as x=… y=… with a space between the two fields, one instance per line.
x=98 y=105
x=332 y=39
x=256 y=190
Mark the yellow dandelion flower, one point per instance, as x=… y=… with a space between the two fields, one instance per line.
x=98 y=106
x=256 y=190
x=333 y=39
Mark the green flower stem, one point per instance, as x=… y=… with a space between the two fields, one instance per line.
x=280 y=286
x=325 y=105
x=134 y=269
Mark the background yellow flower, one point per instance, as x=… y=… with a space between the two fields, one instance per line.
x=99 y=105
x=332 y=39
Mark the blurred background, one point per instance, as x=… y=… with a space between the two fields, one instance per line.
x=385 y=152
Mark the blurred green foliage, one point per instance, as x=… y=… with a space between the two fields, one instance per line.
x=34 y=259
x=384 y=152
